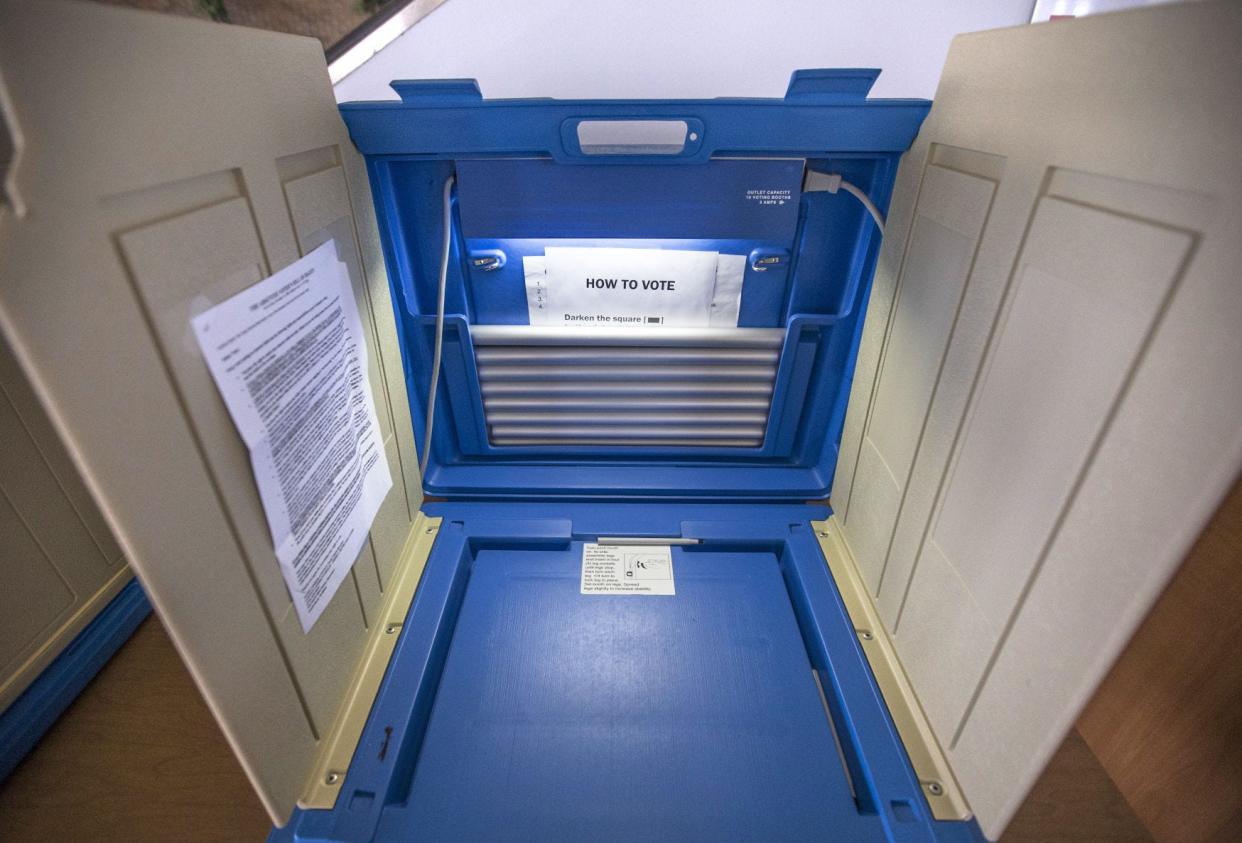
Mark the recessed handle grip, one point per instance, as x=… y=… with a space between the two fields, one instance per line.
x=632 y=138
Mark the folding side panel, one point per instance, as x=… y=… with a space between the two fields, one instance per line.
x=1047 y=396
x=61 y=563
x=160 y=166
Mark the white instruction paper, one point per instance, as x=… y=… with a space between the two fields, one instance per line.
x=288 y=357
x=669 y=288
x=633 y=569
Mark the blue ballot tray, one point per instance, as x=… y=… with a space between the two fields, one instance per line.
x=740 y=707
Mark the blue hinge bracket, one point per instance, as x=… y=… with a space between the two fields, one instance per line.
x=831 y=85
x=438 y=91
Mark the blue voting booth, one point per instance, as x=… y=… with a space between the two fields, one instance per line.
x=741 y=706
x=638 y=573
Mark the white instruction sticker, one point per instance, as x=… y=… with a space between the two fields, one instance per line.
x=637 y=569
x=650 y=288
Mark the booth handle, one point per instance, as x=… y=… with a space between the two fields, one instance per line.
x=635 y=138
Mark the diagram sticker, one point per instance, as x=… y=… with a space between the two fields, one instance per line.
x=635 y=569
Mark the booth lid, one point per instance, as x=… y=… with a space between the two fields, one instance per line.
x=752 y=412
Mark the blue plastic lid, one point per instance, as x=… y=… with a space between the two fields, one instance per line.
x=752 y=412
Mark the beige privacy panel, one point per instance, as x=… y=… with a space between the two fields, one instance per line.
x=1047 y=397
x=61 y=564
x=161 y=166
x=953 y=203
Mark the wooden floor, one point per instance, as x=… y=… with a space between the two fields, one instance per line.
x=138 y=758
x=1075 y=801
x=1167 y=722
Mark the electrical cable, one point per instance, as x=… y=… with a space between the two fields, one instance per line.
x=867 y=203
x=439 y=343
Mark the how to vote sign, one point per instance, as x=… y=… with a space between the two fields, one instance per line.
x=672 y=288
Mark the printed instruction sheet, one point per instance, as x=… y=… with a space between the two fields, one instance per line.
x=289 y=359
x=670 y=288
x=627 y=569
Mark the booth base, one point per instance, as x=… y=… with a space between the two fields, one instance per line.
x=740 y=707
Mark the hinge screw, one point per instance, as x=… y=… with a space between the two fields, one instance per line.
x=332 y=777
x=865 y=634
x=822 y=534
x=391 y=628
x=934 y=788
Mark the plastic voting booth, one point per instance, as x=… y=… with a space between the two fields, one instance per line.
x=726 y=695
x=716 y=513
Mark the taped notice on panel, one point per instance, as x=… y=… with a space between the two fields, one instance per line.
x=668 y=288
x=288 y=357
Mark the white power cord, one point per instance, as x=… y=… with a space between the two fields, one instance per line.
x=445 y=244
x=832 y=182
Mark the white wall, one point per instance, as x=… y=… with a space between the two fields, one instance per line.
x=675 y=48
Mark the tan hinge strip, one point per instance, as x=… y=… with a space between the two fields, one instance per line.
x=339 y=745
x=930 y=765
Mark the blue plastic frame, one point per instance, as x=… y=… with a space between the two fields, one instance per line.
x=817 y=117
x=825 y=119
x=370 y=805
x=553 y=497
x=29 y=717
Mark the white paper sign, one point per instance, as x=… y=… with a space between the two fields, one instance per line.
x=288 y=357
x=669 y=288
x=631 y=569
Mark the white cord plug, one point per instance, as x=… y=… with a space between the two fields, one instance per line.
x=832 y=182
x=816 y=182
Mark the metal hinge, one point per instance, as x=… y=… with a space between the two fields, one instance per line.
x=341 y=741
x=944 y=795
